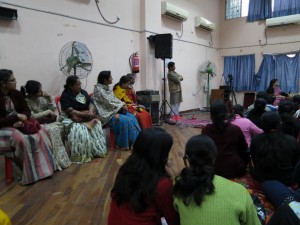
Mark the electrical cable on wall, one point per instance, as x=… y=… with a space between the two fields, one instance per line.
x=266 y=36
x=97 y=1
x=180 y=35
x=211 y=40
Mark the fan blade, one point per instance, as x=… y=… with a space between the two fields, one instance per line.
x=84 y=65
x=208 y=64
x=71 y=62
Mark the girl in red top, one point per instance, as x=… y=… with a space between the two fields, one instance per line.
x=142 y=193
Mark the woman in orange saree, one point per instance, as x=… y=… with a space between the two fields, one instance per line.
x=120 y=91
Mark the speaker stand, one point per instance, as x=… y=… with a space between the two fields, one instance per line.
x=163 y=111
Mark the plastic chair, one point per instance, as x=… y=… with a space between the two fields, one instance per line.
x=8 y=170
x=57 y=103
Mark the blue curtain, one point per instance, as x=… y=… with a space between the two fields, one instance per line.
x=287 y=72
x=286 y=7
x=265 y=73
x=259 y=10
x=285 y=69
x=242 y=69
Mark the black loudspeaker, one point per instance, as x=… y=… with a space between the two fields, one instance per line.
x=163 y=46
x=7 y=13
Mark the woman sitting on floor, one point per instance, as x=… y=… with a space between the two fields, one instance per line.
x=85 y=134
x=248 y=128
x=113 y=112
x=43 y=109
x=201 y=197
x=255 y=113
x=120 y=91
x=233 y=157
x=31 y=152
x=142 y=192
x=274 y=154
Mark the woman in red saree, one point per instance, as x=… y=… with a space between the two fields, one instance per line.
x=142 y=116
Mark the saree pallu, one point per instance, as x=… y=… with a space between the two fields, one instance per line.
x=125 y=128
x=31 y=153
x=56 y=133
x=143 y=117
x=86 y=143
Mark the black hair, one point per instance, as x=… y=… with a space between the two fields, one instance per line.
x=270 y=121
x=260 y=105
x=138 y=177
x=196 y=180
x=131 y=76
x=289 y=125
x=124 y=79
x=271 y=145
x=270 y=99
x=238 y=109
x=5 y=75
x=273 y=81
x=170 y=65
x=296 y=99
x=71 y=80
x=261 y=94
x=103 y=75
x=218 y=114
x=31 y=87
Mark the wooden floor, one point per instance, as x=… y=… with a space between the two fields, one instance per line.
x=80 y=194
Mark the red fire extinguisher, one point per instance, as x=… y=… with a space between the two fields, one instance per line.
x=134 y=62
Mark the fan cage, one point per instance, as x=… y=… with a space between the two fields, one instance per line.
x=84 y=55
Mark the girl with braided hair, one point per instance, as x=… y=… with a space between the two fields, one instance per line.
x=201 y=197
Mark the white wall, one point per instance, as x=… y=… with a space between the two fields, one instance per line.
x=30 y=46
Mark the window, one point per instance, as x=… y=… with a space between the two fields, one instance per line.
x=233 y=9
x=238 y=8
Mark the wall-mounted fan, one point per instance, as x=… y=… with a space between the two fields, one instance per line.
x=207 y=72
x=75 y=59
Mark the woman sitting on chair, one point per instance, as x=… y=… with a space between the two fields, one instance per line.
x=113 y=112
x=31 y=152
x=142 y=116
x=85 y=134
x=43 y=109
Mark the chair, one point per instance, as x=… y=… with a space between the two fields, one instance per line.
x=57 y=100
x=8 y=168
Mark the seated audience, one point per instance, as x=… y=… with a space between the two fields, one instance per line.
x=286 y=200
x=296 y=101
x=249 y=129
x=289 y=124
x=32 y=153
x=261 y=94
x=270 y=103
x=85 y=134
x=120 y=91
x=202 y=198
x=43 y=109
x=255 y=113
x=233 y=157
x=274 y=154
x=113 y=111
x=131 y=92
x=274 y=90
x=142 y=192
